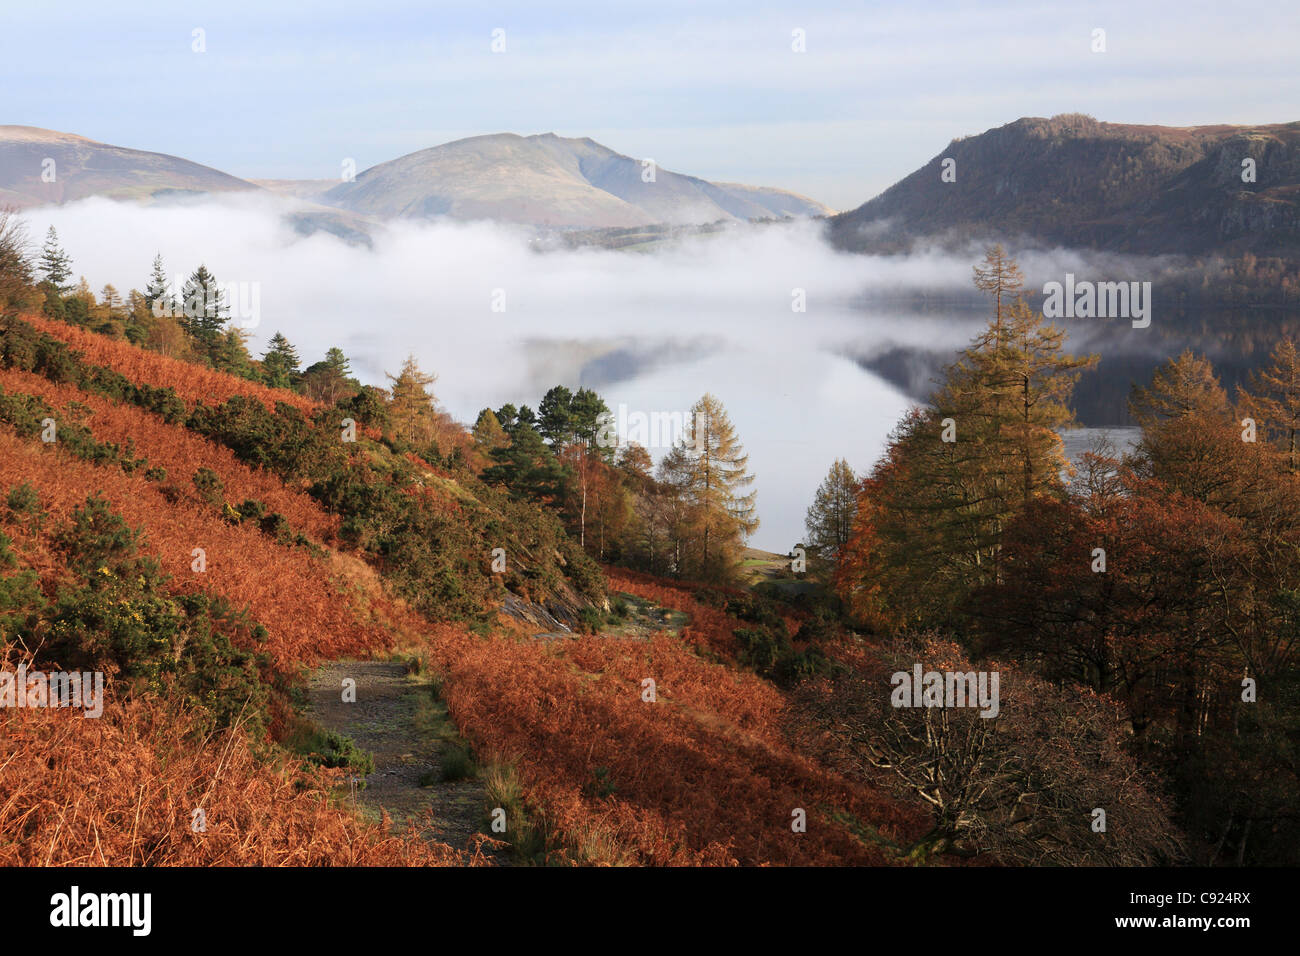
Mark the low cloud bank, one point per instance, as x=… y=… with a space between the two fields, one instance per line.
x=500 y=322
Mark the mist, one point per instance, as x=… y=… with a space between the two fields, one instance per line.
x=498 y=321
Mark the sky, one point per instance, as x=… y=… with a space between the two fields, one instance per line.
x=710 y=89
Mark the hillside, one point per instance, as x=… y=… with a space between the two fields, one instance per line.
x=1076 y=182
x=552 y=181
x=530 y=683
x=83 y=167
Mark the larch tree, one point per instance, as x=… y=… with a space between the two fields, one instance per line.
x=1190 y=437
x=829 y=521
x=412 y=407
x=1001 y=277
x=488 y=433
x=710 y=466
x=1273 y=399
x=958 y=471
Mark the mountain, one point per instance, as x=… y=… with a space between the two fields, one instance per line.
x=549 y=180
x=83 y=167
x=1074 y=181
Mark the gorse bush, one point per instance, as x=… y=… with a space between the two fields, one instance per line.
x=122 y=619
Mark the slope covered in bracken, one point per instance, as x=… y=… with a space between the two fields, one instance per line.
x=295 y=595
x=193 y=383
x=176 y=449
x=703 y=774
x=122 y=790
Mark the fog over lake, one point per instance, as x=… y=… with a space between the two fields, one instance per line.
x=651 y=331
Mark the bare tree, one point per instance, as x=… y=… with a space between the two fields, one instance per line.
x=1022 y=787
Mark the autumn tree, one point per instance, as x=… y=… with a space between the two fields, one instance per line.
x=829 y=521
x=709 y=466
x=1001 y=278
x=958 y=471
x=1273 y=400
x=488 y=433
x=1192 y=439
x=412 y=408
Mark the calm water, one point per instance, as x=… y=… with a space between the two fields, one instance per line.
x=1080 y=440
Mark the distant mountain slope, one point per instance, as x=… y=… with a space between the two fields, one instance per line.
x=83 y=167
x=548 y=180
x=1074 y=181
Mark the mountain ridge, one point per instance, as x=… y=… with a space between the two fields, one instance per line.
x=540 y=180
x=1075 y=181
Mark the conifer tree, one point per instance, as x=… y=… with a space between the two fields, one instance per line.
x=829 y=522
x=205 y=311
x=280 y=363
x=15 y=263
x=157 y=287
x=1273 y=399
x=55 y=264
x=488 y=433
x=412 y=407
x=709 y=466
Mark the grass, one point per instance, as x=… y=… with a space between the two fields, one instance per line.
x=431 y=719
x=505 y=795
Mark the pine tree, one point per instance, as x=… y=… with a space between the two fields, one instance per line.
x=829 y=522
x=55 y=265
x=205 y=310
x=230 y=354
x=280 y=363
x=330 y=380
x=555 y=416
x=525 y=464
x=588 y=413
x=157 y=288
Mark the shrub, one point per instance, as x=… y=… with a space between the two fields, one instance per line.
x=23 y=499
x=209 y=485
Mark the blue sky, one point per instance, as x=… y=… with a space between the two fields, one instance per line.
x=712 y=89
